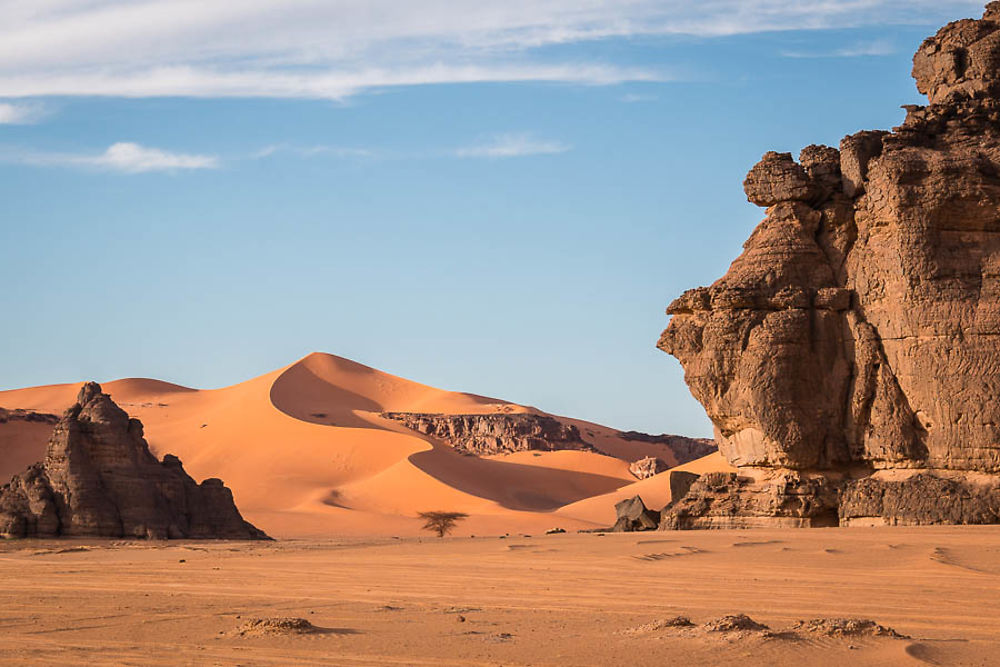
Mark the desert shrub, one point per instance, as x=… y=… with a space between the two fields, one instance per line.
x=441 y=522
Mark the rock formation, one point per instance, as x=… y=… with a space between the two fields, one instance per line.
x=647 y=467
x=850 y=358
x=494 y=433
x=99 y=479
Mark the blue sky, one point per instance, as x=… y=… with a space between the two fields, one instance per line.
x=491 y=197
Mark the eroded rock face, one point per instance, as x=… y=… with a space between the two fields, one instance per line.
x=859 y=330
x=730 y=500
x=919 y=499
x=99 y=479
x=494 y=433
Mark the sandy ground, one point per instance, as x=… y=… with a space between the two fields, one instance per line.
x=308 y=455
x=572 y=599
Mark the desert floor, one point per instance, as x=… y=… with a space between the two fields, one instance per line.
x=571 y=599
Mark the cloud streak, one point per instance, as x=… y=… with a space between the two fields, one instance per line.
x=512 y=145
x=333 y=49
x=318 y=150
x=876 y=48
x=126 y=157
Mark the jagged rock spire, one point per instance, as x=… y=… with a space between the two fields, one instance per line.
x=99 y=479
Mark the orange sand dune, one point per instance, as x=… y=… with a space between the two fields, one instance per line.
x=307 y=454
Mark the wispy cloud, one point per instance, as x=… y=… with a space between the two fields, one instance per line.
x=21 y=113
x=124 y=157
x=634 y=98
x=878 y=47
x=331 y=50
x=512 y=145
x=317 y=150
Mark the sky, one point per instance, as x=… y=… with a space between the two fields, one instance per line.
x=498 y=197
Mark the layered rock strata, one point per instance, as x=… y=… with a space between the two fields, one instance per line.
x=494 y=433
x=490 y=434
x=19 y=415
x=859 y=330
x=99 y=479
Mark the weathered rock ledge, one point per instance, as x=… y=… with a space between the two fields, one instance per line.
x=30 y=416
x=859 y=330
x=488 y=434
x=99 y=479
x=494 y=433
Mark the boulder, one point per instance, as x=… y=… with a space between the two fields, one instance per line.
x=633 y=516
x=99 y=479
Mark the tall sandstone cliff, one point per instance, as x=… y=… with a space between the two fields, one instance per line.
x=99 y=479
x=850 y=357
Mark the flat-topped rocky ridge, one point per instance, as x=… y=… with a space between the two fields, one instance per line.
x=30 y=416
x=99 y=479
x=506 y=433
x=856 y=340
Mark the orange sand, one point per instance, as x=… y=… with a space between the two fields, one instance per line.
x=546 y=600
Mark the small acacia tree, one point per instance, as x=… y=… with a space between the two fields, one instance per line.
x=441 y=522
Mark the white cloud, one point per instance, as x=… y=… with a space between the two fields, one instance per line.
x=512 y=145
x=123 y=156
x=332 y=49
x=21 y=113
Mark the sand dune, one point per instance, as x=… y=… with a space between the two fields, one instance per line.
x=307 y=454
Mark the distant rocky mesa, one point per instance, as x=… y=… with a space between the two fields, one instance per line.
x=850 y=357
x=489 y=434
x=99 y=479
x=494 y=433
x=19 y=415
x=685 y=449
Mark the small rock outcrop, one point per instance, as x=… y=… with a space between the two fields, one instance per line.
x=633 y=516
x=734 y=623
x=494 y=433
x=99 y=479
x=261 y=627
x=845 y=627
x=647 y=467
x=857 y=332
